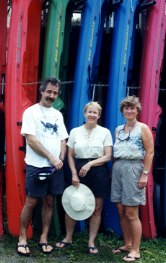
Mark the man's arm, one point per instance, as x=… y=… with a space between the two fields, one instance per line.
x=37 y=147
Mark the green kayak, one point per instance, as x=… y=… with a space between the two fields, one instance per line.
x=57 y=43
x=55 y=64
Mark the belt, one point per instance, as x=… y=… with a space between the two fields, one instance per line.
x=85 y=159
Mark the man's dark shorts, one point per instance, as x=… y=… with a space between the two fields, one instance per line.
x=37 y=188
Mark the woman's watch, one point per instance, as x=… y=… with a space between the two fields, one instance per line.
x=145 y=172
x=61 y=159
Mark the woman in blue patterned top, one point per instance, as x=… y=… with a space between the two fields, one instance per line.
x=133 y=154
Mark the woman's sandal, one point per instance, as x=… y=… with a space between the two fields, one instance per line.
x=63 y=243
x=134 y=258
x=92 y=248
x=46 y=245
x=120 y=250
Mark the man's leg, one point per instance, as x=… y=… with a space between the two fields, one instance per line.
x=47 y=213
x=25 y=218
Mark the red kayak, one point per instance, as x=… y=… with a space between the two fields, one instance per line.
x=151 y=68
x=22 y=68
x=3 y=38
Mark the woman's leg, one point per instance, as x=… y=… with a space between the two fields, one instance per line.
x=125 y=226
x=69 y=224
x=94 y=223
x=132 y=214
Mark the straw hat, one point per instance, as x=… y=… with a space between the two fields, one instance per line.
x=79 y=203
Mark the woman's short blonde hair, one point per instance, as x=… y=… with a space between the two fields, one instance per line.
x=94 y=104
x=131 y=101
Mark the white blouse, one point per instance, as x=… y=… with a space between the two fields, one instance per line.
x=92 y=146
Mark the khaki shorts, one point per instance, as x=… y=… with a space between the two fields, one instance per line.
x=125 y=179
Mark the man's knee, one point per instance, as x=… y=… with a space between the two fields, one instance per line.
x=48 y=201
x=31 y=201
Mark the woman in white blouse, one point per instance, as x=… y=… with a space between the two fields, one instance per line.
x=91 y=144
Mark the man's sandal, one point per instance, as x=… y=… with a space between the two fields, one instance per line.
x=21 y=253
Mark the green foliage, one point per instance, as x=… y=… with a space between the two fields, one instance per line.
x=151 y=250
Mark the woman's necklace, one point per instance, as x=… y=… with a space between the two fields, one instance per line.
x=130 y=126
x=128 y=138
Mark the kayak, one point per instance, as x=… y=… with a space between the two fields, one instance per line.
x=151 y=72
x=89 y=48
x=22 y=68
x=3 y=39
x=159 y=177
x=92 y=23
x=55 y=64
x=121 y=62
x=57 y=43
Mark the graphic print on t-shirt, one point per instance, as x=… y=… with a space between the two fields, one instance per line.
x=51 y=127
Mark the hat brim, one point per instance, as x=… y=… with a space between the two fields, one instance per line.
x=90 y=202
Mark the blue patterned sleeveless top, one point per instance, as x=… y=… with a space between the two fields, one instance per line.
x=129 y=149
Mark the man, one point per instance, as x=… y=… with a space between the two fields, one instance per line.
x=46 y=136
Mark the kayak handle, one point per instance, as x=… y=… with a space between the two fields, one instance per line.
x=148 y=5
x=79 y=4
x=116 y=4
x=113 y=6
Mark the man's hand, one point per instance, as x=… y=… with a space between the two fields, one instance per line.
x=39 y=149
x=57 y=163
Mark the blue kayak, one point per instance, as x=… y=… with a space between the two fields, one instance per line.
x=89 y=47
x=120 y=63
x=93 y=18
